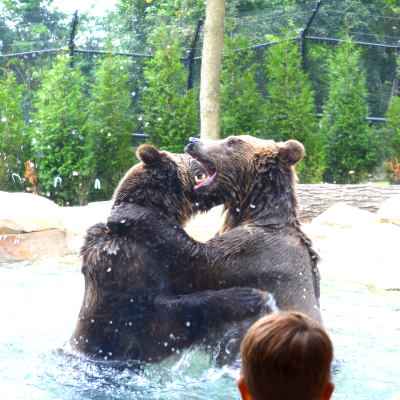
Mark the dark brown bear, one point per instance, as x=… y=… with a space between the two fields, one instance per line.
x=261 y=243
x=130 y=309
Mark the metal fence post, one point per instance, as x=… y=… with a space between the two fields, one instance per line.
x=189 y=68
x=190 y=56
x=71 y=44
x=302 y=49
x=396 y=85
x=302 y=36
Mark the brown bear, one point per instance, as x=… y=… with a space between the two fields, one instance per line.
x=130 y=309
x=261 y=243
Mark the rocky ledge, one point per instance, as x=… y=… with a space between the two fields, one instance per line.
x=354 y=244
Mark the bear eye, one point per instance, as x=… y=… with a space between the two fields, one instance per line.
x=231 y=142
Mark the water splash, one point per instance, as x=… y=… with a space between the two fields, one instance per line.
x=56 y=180
x=12 y=176
x=362 y=323
x=271 y=303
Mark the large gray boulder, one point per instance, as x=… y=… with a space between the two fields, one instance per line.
x=32 y=226
x=30 y=246
x=340 y=215
x=390 y=211
x=25 y=212
x=76 y=220
x=366 y=253
x=205 y=226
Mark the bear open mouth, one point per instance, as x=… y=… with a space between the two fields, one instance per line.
x=211 y=173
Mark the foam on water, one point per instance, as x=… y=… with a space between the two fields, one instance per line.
x=40 y=302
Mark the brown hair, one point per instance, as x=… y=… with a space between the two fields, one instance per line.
x=286 y=356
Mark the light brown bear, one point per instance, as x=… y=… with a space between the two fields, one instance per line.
x=261 y=243
x=133 y=307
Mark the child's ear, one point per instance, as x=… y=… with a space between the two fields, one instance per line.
x=291 y=152
x=148 y=154
x=326 y=395
x=244 y=391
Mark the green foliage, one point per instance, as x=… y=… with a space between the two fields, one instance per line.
x=393 y=129
x=393 y=123
x=13 y=141
x=242 y=106
x=353 y=149
x=190 y=8
x=290 y=113
x=26 y=5
x=170 y=114
x=27 y=24
x=317 y=54
x=111 y=121
x=61 y=140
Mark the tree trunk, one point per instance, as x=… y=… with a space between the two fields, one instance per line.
x=210 y=95
x=315 y=199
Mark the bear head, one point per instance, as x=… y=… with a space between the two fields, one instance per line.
x=164 y=182
x=254 y=178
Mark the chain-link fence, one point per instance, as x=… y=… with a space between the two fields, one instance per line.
x=30 y=41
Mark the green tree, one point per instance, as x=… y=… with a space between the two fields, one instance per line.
x=61 y=141
x=170 y=115
x=242 y=106
x=393 y=132
x=290 y=112
x=13 y=141
x=393 y=123
x=111 y=121
x=353 y=148
x=187 y=8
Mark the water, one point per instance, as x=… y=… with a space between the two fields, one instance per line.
x=40 y=303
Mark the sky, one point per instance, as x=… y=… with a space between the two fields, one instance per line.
x=99 y=6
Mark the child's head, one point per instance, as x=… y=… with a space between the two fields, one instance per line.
x=286 y=356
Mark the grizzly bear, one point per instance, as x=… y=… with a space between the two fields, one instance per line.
x=130 y=309
x=261 y=243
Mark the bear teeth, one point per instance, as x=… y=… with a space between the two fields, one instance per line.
x=203 y=179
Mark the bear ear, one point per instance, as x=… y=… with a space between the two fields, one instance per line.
x=266 y=153
x=291 y=152
x=148 y=154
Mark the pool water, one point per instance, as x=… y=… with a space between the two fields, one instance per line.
x=40 y=302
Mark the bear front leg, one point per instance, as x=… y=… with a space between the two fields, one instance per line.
x=174 y=246
x=203 y=310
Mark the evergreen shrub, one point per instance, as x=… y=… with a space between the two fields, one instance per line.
x=14 y=143
x=290 y=112
x=111 y=122
x=170 y=114
x=61 y=142
x=353 y=148
x=393 y=127
x=242 y=106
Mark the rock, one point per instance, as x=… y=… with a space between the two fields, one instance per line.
x=30 y=246
x=390 y=211
x=75 y=221
x=343 y=216
x=396 y=396
x=25 y=212
x=366 y=253
x=63 y=228
x=205 y=226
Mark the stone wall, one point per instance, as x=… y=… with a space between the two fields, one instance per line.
x=315 y=199
x=33 y=226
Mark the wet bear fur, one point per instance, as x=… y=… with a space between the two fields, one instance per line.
x=133 y=307
x=261 y=243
